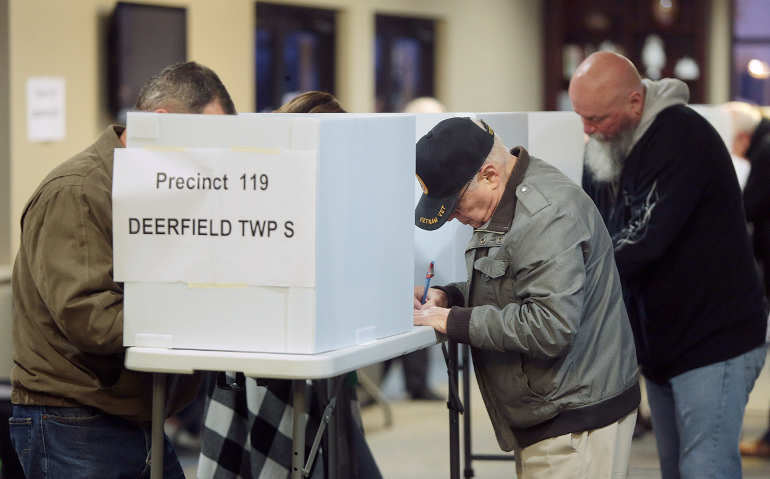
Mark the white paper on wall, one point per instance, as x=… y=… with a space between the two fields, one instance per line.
x=210 y=215
x=46 y=109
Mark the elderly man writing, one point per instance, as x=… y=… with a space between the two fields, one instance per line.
x=542 y=308
x=664 y=183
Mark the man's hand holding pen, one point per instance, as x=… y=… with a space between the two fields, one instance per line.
x=434 y=312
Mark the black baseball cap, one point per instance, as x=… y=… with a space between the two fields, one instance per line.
x=447 y=158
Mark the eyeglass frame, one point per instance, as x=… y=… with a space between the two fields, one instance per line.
x=462 y=193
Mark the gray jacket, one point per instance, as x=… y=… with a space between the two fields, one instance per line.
x=543 y=311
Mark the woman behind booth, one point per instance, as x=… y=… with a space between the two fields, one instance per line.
x=247 y=426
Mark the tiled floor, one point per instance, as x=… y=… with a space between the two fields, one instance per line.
x=416 y=445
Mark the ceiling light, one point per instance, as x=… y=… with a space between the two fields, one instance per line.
x=759 y=69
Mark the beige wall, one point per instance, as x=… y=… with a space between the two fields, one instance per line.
x=488 y=59
x=5 y=150
x=68 y=39
x=476 y=69
x=719 y=52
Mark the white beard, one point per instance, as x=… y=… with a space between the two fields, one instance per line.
x=605 y=158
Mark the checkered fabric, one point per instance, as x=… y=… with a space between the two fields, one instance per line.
x=247 y=434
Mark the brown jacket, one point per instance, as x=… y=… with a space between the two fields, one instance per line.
x=67 y=309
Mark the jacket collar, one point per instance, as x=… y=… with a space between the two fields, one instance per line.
x=106 y=144
x=503 y=216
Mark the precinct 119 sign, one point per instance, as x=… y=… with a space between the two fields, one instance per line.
x=211 y=215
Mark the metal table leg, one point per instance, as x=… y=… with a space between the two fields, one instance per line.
x=468 y=471
x=331 y=431
x=158 y=413
x=298 y=432
x=468 y=453
x=454 y=423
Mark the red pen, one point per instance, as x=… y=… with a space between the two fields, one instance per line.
x=428 y=276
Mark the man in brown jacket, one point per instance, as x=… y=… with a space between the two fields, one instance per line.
x=76 y=410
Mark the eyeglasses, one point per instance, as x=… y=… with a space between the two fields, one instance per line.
x=463 y=191
x=461 y=194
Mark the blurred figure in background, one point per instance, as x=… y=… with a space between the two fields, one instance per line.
x=243 y=433
x=424 y=104
x=312 y=102
x=751 y=140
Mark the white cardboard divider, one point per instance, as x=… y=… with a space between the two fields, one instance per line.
x=555 y=137
x=363 y=248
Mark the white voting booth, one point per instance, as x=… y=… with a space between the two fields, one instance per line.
x=264 y=232
x=553 y=136
x=286 y=233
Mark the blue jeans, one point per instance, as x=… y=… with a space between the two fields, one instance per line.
x=83 y=442
x=697 y=417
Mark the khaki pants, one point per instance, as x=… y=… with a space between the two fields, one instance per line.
x=597 y=454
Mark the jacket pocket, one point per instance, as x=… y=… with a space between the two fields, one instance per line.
x=73 y=416
x=21 y=436
x=506 y=387
x=495 y=285
x=543 y=375
x=491 y=267
x=532 y=407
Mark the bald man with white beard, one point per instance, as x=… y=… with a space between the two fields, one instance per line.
x=664 y=183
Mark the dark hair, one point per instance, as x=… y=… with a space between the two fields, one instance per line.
x=312 y=102
x=184 y=88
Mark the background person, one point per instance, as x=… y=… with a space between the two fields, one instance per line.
x=664 y=183
x=234 y=419
x=542 y=308
x=77 y=412
x=751 y=140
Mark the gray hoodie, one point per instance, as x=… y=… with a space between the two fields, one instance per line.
x=659 y=95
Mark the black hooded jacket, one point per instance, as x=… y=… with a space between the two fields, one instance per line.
x=677 y=222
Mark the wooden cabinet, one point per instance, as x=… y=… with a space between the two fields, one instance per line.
x=666 y=38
